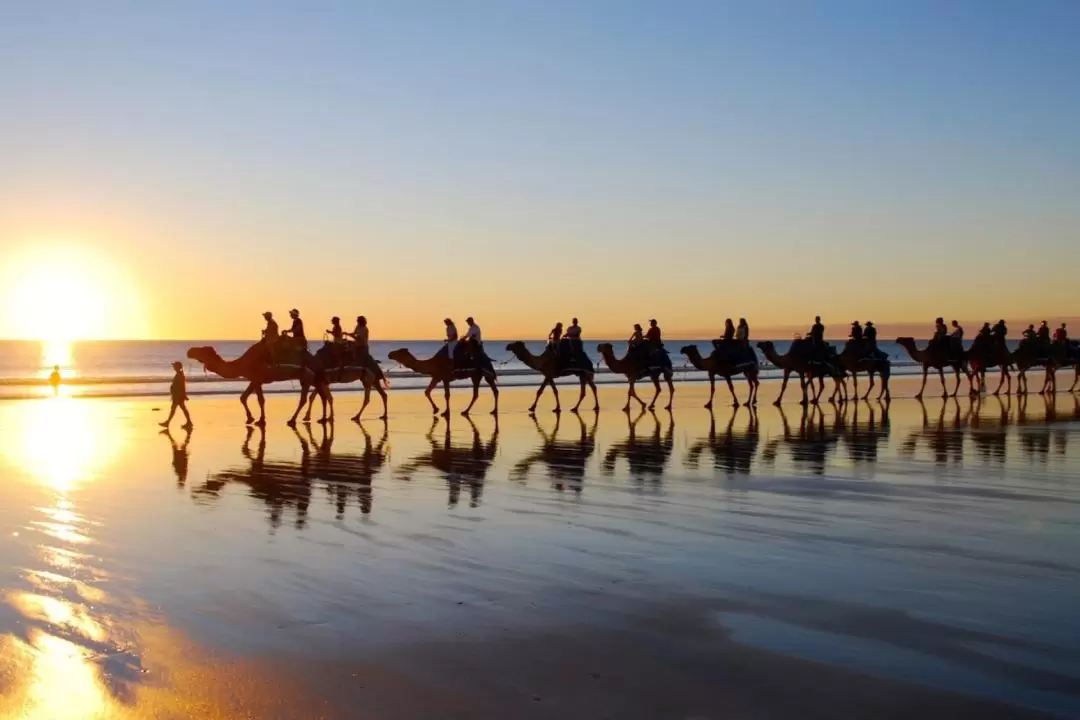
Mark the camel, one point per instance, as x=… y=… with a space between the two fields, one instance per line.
x=634 y=366
x=716 y=364
x=854 y=361
x=254 y=367
x=326 y=365
x=547 y=364
x=935 y=357
x=440 y=369
x=982 y=357
x=566 y=460
x=798 y=363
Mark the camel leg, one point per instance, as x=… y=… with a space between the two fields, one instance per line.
x=363 y=405
x=783 y=387
x=581 y=397
x=327 y=399
x=671 y=391
x=855 y=381
x=656 y=394
x=869 y=389
x=957 y=388
x=243 y=401
x=803 y=382
x=310 y=405
x=427 y=394
x=712 y=390
x=475 y=395
x=731 y=389
x=539 y=394
x=925 y=370
x=944 y=389
x=495 y=396
x=261 y=422
x=1076 y=378
x=382 y=394
x=754 y=383
x=558 y=405
x=1001 y=381
x=885 y=389
x=446 y=395
x=595 y=397
x=1021 y=382
x=821 y=389
x=299 y=405
x=632 y=393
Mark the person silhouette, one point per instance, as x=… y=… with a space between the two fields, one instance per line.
x=54 y=380
x=178 y=393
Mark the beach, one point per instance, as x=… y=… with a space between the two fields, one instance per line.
x=862 y=561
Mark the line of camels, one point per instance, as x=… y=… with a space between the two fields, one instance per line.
x=564 y=453
x=322 y=368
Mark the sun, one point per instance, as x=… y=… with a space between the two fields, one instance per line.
x=62 y=296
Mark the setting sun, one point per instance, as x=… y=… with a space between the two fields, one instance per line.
x=61 y=296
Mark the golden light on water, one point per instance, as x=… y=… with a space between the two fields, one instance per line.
x=61 y=442
x=59 y=445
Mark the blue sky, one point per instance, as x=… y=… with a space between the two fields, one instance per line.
x=532 y=160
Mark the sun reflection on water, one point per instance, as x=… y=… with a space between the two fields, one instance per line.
x=64 y=650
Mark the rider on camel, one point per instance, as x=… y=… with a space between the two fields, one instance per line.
x=296 y=332
x=338 y=336
x=1061 y=336
x=636 y=339
x=1044 y=334
x=573 y=338
x=957 y=339
x=870 y=336
x=474 y=341
x=941 y=335
x=270 y=336
x=360 y=339
x=1030 y=336
x=451 y=339
x=555 y=336
x=653 y=336
x=1000 y=331
x=742 y=333
x=817 y=339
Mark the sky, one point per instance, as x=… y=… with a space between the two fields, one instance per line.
x=175 y=169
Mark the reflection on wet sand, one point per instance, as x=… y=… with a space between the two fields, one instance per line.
x=180 y=455
x=866 y=437
x=566 y=460
x=282 y=484
x=458 y=465
x=732 y=452
x=646 y=456
x=810 y=446
x=945 y=436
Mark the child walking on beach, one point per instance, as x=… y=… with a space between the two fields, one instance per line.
x=178 y=391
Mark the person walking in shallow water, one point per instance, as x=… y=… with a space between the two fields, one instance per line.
x=178 y=392
x=54 y=380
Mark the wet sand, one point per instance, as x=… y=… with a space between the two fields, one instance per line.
x=885 y=562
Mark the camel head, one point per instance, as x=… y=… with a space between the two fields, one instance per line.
x=687 y=349
x=516 y=346
x=905 y=342
x=400 y=356
x=766 y=346
x=605 y=349
x=205 y=355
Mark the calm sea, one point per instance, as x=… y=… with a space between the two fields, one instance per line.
x=131 y=368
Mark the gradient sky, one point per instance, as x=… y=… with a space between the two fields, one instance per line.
x=526 y=161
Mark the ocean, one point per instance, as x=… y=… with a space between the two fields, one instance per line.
x=143 y=367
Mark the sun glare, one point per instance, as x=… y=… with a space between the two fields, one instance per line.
x=62 y=296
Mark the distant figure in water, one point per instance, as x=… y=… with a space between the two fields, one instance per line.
x=178 y=391
x=54 y=379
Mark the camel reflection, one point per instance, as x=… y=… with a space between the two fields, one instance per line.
x=345 y=473
x=811 y=444
x=865 y=438
x=646 y=456
x=732 y=452
x=287 y=484
x=565 y=460
x=461 y=466
x=278 y=484
x=943 y=438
